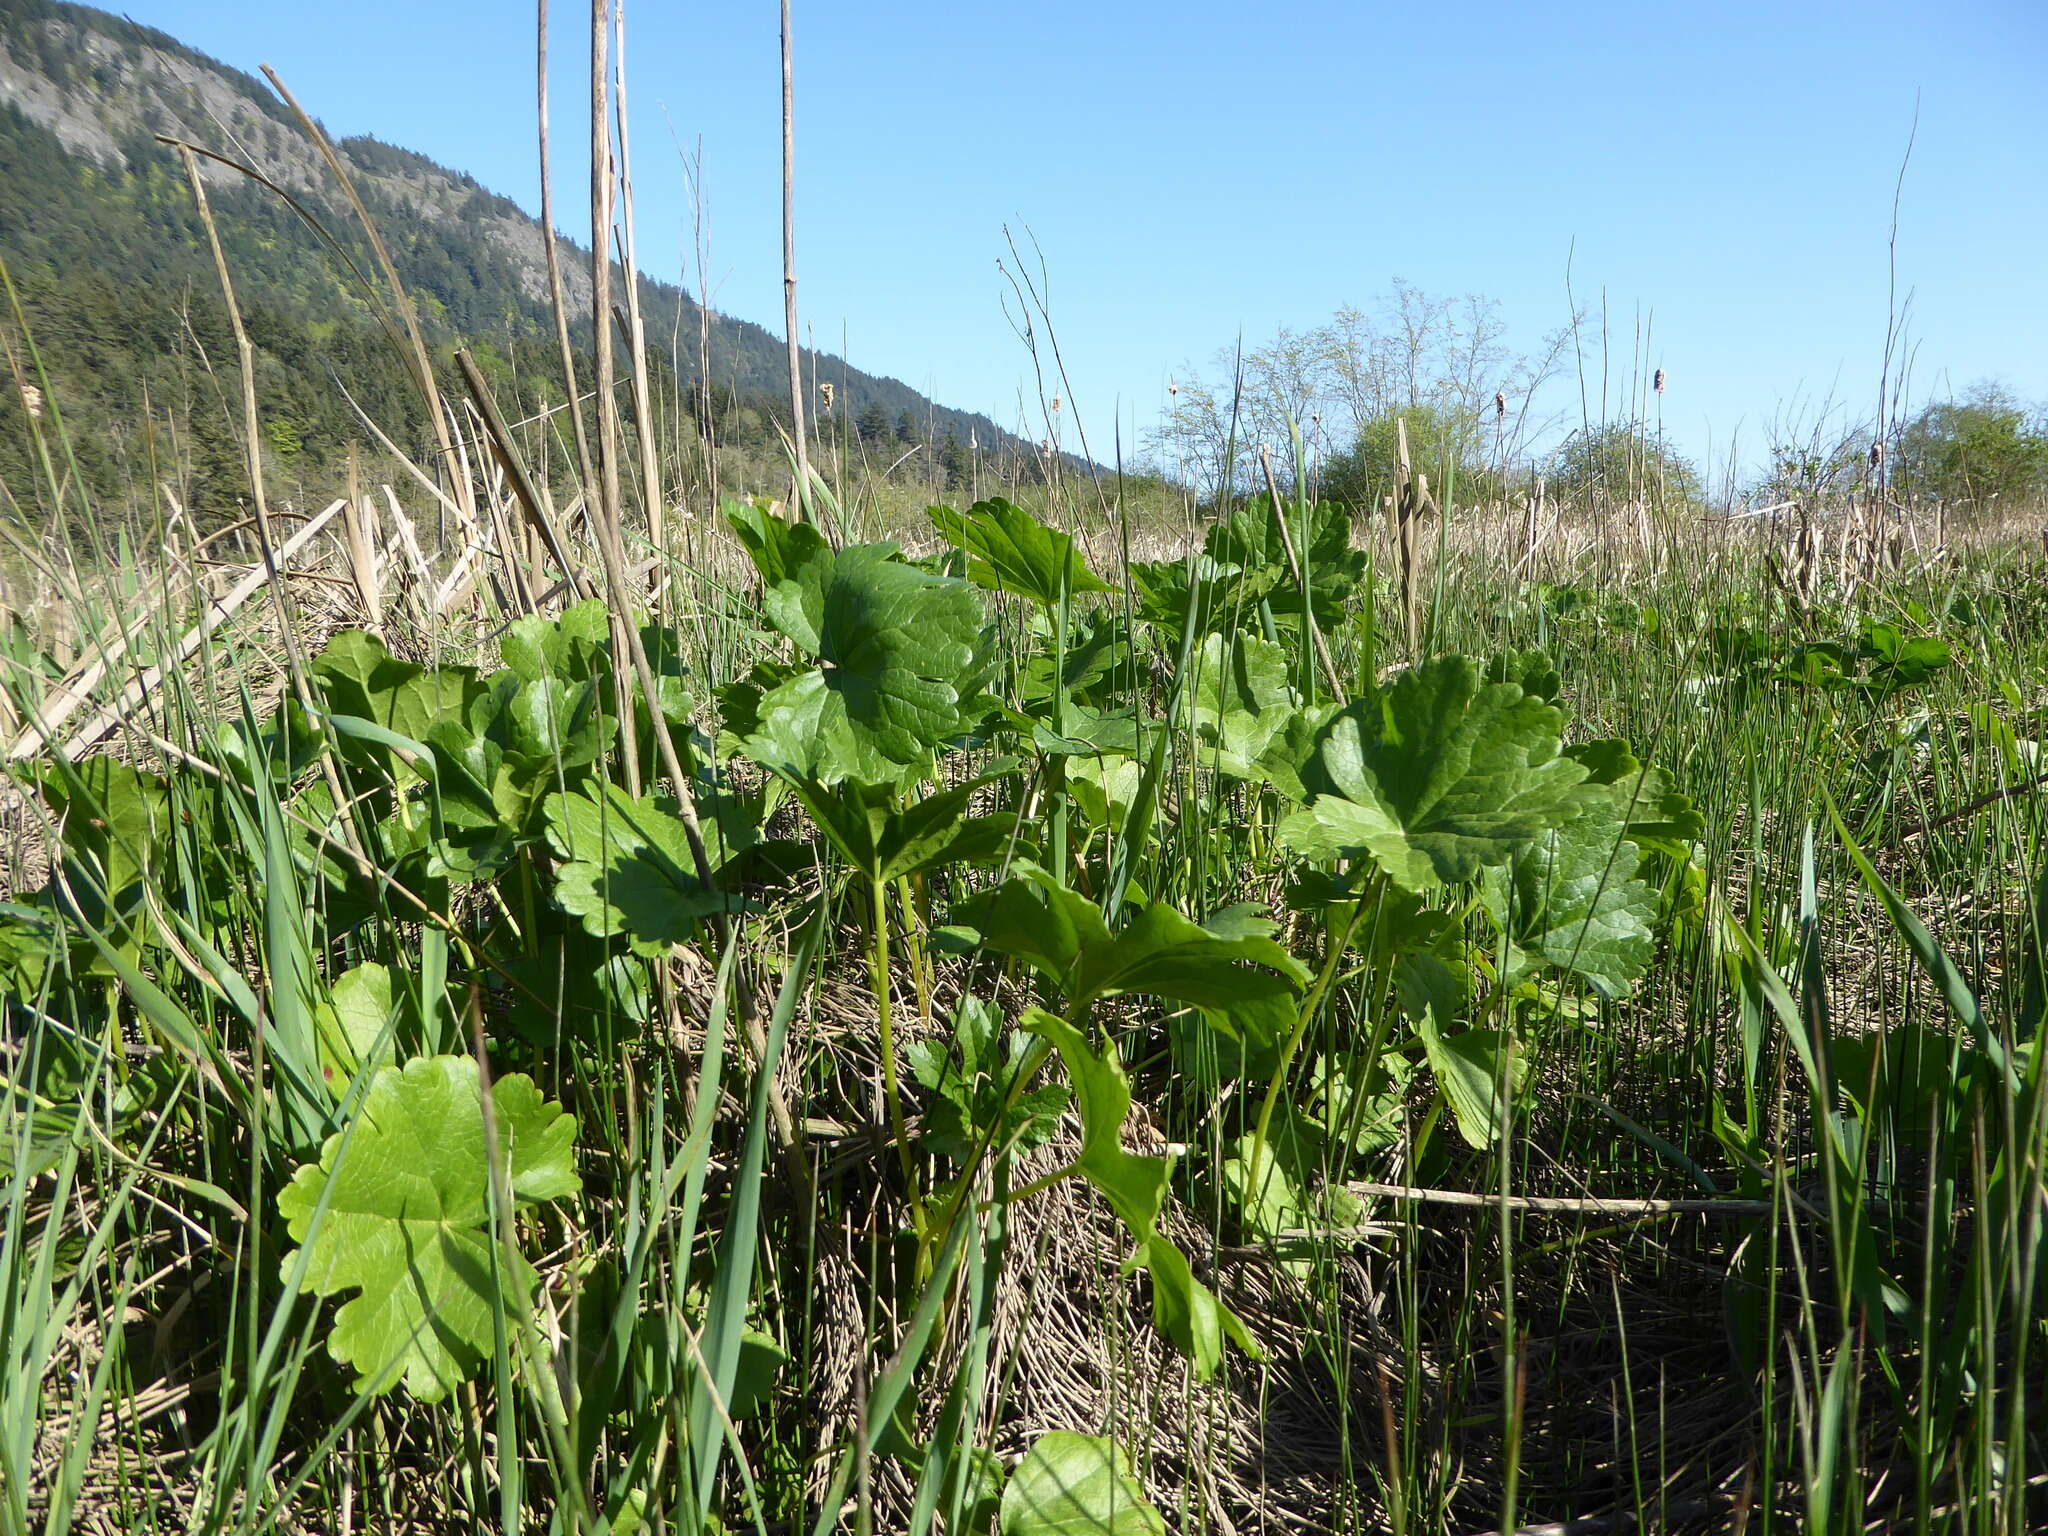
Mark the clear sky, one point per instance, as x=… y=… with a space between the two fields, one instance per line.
x=1197 y=171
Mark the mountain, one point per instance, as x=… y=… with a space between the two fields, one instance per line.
x=109 y=260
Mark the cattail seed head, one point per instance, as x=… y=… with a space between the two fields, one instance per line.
x=825 y=391
x=1660 y=381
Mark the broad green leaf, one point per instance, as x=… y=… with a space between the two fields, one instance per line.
x=1222 y=594
x=1034 y=917
x=1468 y=1068
x=406 y=1221
x=571 y=649
x=1269 y=1200
x=1105 y=788
x=1651 y=811
x=1426 y=983
x=761 y=1361
x=1188 y=1312
x=897 y=648
x=553 y=725
x=1087 y=733
x=1077 y=1485
x=1289 y=761
x=776 y=546
x=884 y=841
x=1134 y=1186
x=1240 y=701
x=1230 y=966
x=1250 y=540
x=1531 y=671
x=1009 y=550
x=1574 y=898
x=360 y=678
x=359 y=1029
x=112 y=817
x=1097 y=666
x=1226 y=967
x=627 y=866
x=1897 y=662
x=1437 y=777
x=801 y=729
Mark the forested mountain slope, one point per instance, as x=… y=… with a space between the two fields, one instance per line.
x=108 y=258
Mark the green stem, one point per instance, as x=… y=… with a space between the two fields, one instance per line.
x=898 y=1130
x=1310 y=1007
x=913 y=940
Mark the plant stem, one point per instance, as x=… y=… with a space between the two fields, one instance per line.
x=1311 y=1005
x=891 y=1089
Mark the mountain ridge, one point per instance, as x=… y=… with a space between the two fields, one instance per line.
x=83 y=97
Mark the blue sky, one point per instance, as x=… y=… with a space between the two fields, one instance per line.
x=1196 y=171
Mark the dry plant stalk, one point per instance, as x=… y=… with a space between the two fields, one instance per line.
x=532 y=495
x=1405 y=510
x=359 y=524
x=422 y=364
x=218 y=613
x=801 y=497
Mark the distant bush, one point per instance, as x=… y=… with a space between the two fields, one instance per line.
x=1969 y=452
x=1621 y=462
x=1444 y=442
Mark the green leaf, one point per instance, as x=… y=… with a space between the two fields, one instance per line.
x=886 y=842
x=1289 y=761
x=627 y=866
x=1250 y=541
x=1269 y=1200
x=1098 y=662
x=801 y=729
x=1105 y=788
x=1134 y=1186
x=1437 y=777
x=761 y=1361
x=360 y=678
x=1531 y=671
x=1220 y=593
x=971 y=1086
x=406 y=1192
x=1574 y=898
x=571 y=649
x=1215 y=966
x=1077 y=1485
x=1646 y=801
x=113 y=816
x=1468 y=1069
x=1240 y=701
x=1188 y=1312
x=1230 y=966
x=897 y=649
x=1899 y=662
x=359 y=1028
x=777 y=547
x=1032 y=916
x=1009 y=550
x=1088 y=732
